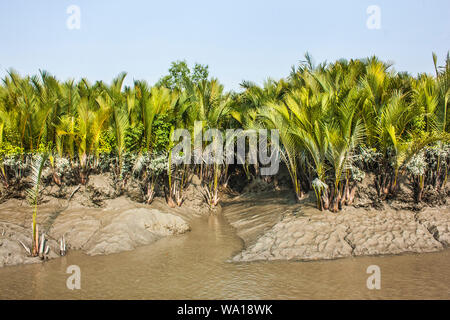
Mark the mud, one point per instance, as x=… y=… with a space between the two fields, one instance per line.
x=301 y=232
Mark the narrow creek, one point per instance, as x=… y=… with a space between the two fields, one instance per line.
x=194 y=266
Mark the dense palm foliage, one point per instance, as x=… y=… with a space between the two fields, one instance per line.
x=336 y=122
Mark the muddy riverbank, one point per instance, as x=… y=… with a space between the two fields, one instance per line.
x=120 y=225
x=194 y=265
x=272 y=225
x=286 y=231
x=94 y=218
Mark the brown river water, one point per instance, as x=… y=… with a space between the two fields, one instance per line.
x=194 y=266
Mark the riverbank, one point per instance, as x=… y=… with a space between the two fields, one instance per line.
x=301 y=232
x=194 y=265
x=99 y=221
x=120 y=224
x=94 y=218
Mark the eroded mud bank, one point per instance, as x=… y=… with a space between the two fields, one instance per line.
x=120 y=225
x=94 y=218
x=301 y=232
x=273 y=226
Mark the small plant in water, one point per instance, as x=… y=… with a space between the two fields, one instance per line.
x=37 y=246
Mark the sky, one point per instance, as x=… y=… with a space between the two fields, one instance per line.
x=239 y=40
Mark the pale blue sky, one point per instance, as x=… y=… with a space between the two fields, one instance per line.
x=239 y=40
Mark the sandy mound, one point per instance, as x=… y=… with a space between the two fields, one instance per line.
x=115 y=228
x=134 y=228
x=119 y=225
x=308 y=234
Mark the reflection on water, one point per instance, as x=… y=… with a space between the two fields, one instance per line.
x=194 y=266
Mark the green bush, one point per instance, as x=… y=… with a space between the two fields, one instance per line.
x=161 y=133
x=134 y=138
